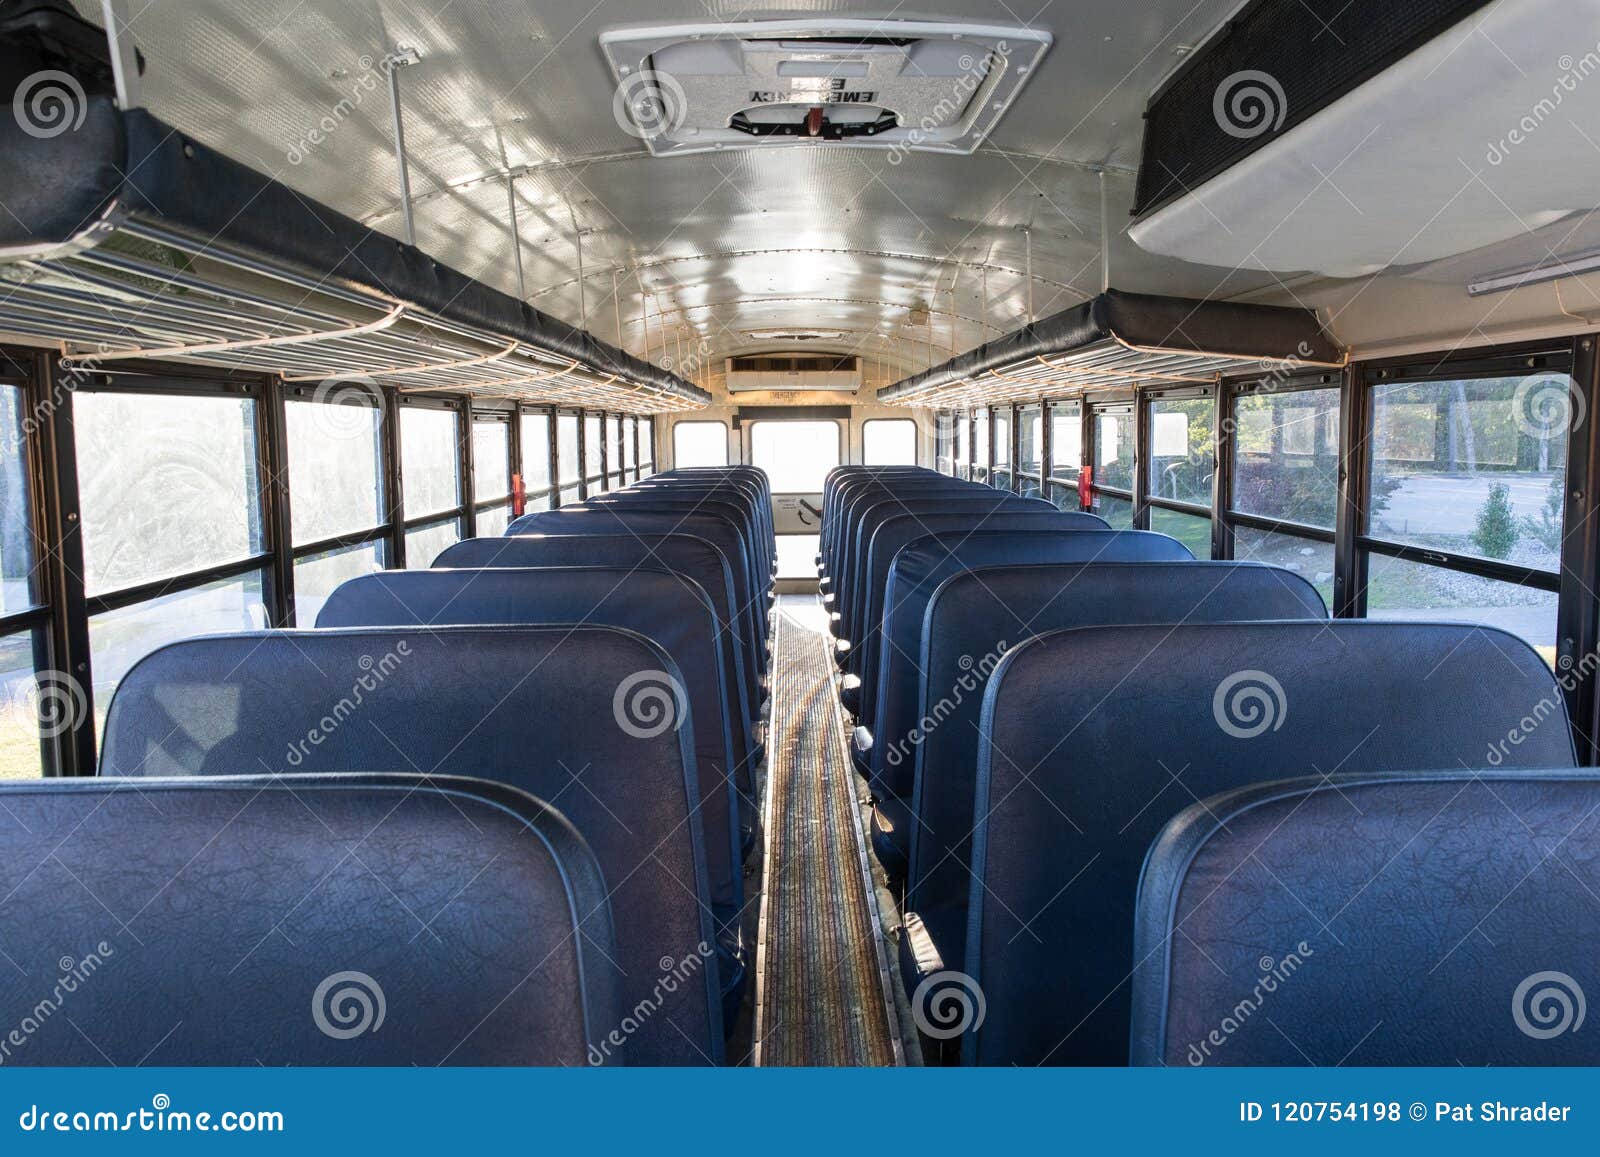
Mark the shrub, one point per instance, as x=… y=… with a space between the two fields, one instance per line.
x=1497 y=525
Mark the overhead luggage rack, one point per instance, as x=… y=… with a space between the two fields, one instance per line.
x=126 y=240
x=1125 y=339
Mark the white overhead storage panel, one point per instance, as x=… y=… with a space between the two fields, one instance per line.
x=1341 y=158
x=939 y=86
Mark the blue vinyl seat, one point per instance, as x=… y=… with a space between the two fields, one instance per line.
x=324 y=920
x=669 y=610
x=1093 y=739
x=973 y=616
x=1428 y=918
x=532 y=707
x=919 y=568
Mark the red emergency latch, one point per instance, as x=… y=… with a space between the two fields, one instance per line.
x=1086 y=488
x=519 y=496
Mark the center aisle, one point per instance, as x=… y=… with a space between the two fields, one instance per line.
x=821 y=973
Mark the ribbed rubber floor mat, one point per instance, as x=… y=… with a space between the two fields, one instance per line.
x=821 y=994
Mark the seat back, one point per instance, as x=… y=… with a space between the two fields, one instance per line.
x=563 y=713
x=669 y=610
x=714 y=529
x=894 y=533
x=889 y=685
x=1431 y=918
x=684 y=554
x=975 y=615
x=328 y=920
x=1093 y=739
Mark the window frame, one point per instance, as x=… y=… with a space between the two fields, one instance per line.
x=405 y=523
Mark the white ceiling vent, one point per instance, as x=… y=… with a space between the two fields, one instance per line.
x=904 y=84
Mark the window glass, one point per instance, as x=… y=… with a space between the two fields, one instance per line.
x=334 y=475
x=167 y=485
x=591 y=446
x=647 y=454
x=491 y=460
x=630 y=450
x=1473 y=467
x=614 y=449
x=962 y=425
x=980 y=441
x=426 y=543
x=1113 y=445
x=1190 y=529
x=27 y=709
x=430 y=467
x=699 y=444
x=119 y=639
x=1066 y=441
x=1000 y=479
x=796 y=455
x=1002 y=437
x=1397 y=589
x=1064 y=497
x=889 y=442
x=316 y=577
x=1118 y=512
x=1286 y=456
x=17 y=589
x=1182 y=455
x=1028 y=447
x=1304 y=556
x=492 y=522
x=569 y=496
x=535 y=452
x=567 y=447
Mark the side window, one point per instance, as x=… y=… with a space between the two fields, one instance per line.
x=1470 y=469
x=491 y=474
x=1066 y=455
x=335 y=492
x=569 y=468
x=536 y=476
x=1286 y=480
x=1183 y=462
x=431 y=476
x=169 y=491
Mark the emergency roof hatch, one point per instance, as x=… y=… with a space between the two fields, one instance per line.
x=936 y=86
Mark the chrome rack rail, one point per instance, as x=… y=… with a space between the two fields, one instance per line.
x=1120 y=339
